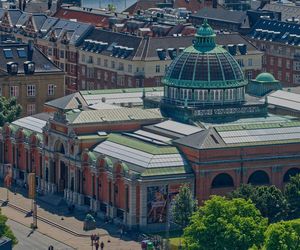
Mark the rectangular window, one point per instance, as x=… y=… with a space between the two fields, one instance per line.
x=105 y=62
x=49 y=51
x=279 y=75
x=249 y=75
x=90 y=59
x=14 y=91
x=288 y=64
x=99 y=61
x=129 y=68
x=98 y=75
x=250 y=62
x=62 y=54
x=121 y=66
x=83 y=71
x=112 y=64
x=51 y=88
x=279 y=62
x=30 y=90
x=82 y=58
x=271 y=61
x=287 y=77
x=157 y=69
x=83 y=84
x=30 y=109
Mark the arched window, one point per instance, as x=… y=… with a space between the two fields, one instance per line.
x=291 y=172
x=259 y=178
x=222 y=180
x=62 y=149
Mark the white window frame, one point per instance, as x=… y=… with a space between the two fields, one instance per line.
x=51 y=88
x=31 y=90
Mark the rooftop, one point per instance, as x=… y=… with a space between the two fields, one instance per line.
x=112 y=115
x=20 y=53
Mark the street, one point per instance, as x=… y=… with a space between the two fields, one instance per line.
x=33 y=241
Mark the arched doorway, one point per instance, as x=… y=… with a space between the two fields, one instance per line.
x=222 y=181
x=259 y=178
x=63 y=176
x=291 y=172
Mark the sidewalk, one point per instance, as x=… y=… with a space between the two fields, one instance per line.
x=72 y=221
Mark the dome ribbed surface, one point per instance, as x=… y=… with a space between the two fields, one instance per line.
x=204 y=65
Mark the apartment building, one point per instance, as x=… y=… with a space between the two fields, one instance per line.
x=280 y=43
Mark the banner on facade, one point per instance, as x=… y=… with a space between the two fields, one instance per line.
x=8 y=176
x=31 y=185
x=157 y=202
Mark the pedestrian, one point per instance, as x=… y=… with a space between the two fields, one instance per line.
x=97 y=245
x=121 y=232
x=102 y=245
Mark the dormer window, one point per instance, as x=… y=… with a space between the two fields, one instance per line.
x=29 y=67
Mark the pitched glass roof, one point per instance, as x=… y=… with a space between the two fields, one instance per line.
x=140 y=153
x=31 y=123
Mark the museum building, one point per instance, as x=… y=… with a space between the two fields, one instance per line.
x=128 y=163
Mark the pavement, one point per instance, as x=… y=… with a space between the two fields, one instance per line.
x=33 y=240
x=60 y=216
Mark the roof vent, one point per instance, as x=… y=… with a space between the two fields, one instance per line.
x=115 y=50
x=172 y=53
x=242 y=49
x=161 y=54
x=12 y=68
x=232 y=49
x=127 y=52
x=29 y=67
x=181 y=49
x=85 y=44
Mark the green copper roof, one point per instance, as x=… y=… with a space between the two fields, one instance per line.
x=205 y=65
x=166 y=171
x=141 y=145
x=265 y=78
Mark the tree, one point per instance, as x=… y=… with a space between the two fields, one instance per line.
x=225 y=224
x=5 y=230
x=9 y=110
x=284 y=235
x=292 y=193
x=269 y=200
x=111 y=7
x=183 y=206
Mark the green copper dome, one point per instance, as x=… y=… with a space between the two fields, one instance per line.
x=265 y=77
x=204 y=65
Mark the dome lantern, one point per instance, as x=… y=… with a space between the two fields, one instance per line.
x=205 y=37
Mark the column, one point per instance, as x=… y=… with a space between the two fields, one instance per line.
x=97 y=193
x=132 y=205
x=80 y=196
x=143 y=206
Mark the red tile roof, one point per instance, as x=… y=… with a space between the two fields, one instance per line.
x=192 y=5
x=82 y=16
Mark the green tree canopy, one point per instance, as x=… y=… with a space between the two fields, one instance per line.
x=225 y=224
x=9 y=110
x=292 y=193
x=5 y=230
x=283 y=236
x=268 y=199
x=183 y=206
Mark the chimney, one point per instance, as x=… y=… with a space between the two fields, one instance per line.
x=30 y=50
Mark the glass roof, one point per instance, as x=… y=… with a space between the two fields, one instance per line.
x=201 y=69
